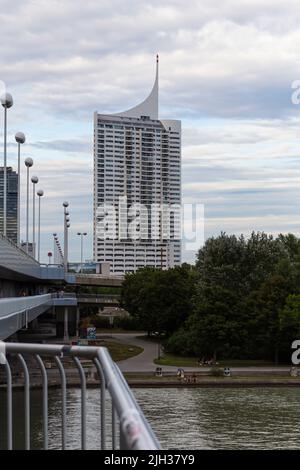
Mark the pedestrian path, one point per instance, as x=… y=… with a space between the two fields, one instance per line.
x=143 y=362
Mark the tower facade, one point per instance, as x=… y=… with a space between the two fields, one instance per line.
x=12 y=203
x=137 y=188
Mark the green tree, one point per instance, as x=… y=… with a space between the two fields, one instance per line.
x=289 y=323
x=291 y=243
x=264 y=316
x=161 y=300
x=232 y=304
x=237 y=301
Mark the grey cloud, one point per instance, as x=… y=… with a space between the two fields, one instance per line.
x=231 y=60
x=73 y=146
x=218 y=60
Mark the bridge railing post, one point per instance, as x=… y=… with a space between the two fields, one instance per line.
x=129 y=430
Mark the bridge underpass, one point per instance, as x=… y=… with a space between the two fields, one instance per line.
x=16 y=313
x=17 y=269
x=20 y=274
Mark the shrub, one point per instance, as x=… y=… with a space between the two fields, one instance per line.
x=216 y=371
x=180 y=343
x=127 y=323
x=99 y=322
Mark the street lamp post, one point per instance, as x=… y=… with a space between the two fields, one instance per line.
x=81 y=235
x=54 y=247
x=20 y=139
x=34 y=181
x=28 y=164
x=68 y=226
x=40 y=194
x=58 y=249
x=7 y=102
x=65 y=205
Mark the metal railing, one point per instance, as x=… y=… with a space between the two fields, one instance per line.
x=52 y=272
x=15 y=305
x=18 y=312
x=129 y=428
x=101 y=276
x=16 y=260
x=65 y=295
x=98 y=296
x=20 y=250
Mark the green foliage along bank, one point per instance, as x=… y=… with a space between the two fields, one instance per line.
x=241 y=300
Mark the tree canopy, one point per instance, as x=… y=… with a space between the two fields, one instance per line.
x=160 y=300
x=240 y=300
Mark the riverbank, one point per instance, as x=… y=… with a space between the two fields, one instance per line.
x=144 y=380
x=135 y=357
x=211 y=382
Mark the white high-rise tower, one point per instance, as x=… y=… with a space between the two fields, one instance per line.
x=137 y=167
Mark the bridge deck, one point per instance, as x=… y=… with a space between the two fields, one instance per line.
x=17 y=312
x=15 y=264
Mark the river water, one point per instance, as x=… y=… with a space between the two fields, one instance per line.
x=183 y=418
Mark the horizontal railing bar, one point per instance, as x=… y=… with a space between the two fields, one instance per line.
x=23 y=253
x=52 y=349
x=11 y=306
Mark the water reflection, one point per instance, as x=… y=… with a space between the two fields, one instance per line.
x=55 y=418
x=212 y=418
x=217 y=418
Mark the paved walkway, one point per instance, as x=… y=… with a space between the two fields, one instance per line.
x=144 y=361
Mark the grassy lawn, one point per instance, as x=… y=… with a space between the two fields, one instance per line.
x=246 y=363
x=120 y=351
x=173 y=360
x=181 y=361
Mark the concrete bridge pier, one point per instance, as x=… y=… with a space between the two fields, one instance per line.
x=34 y=324
x=77 y=321
x=66 y=325
x=66 y=322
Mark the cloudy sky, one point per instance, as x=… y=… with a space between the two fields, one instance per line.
x=226 y=70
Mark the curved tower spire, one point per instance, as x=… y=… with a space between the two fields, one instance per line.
x=149 y=107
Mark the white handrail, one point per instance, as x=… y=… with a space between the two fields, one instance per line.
x=13 y=305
